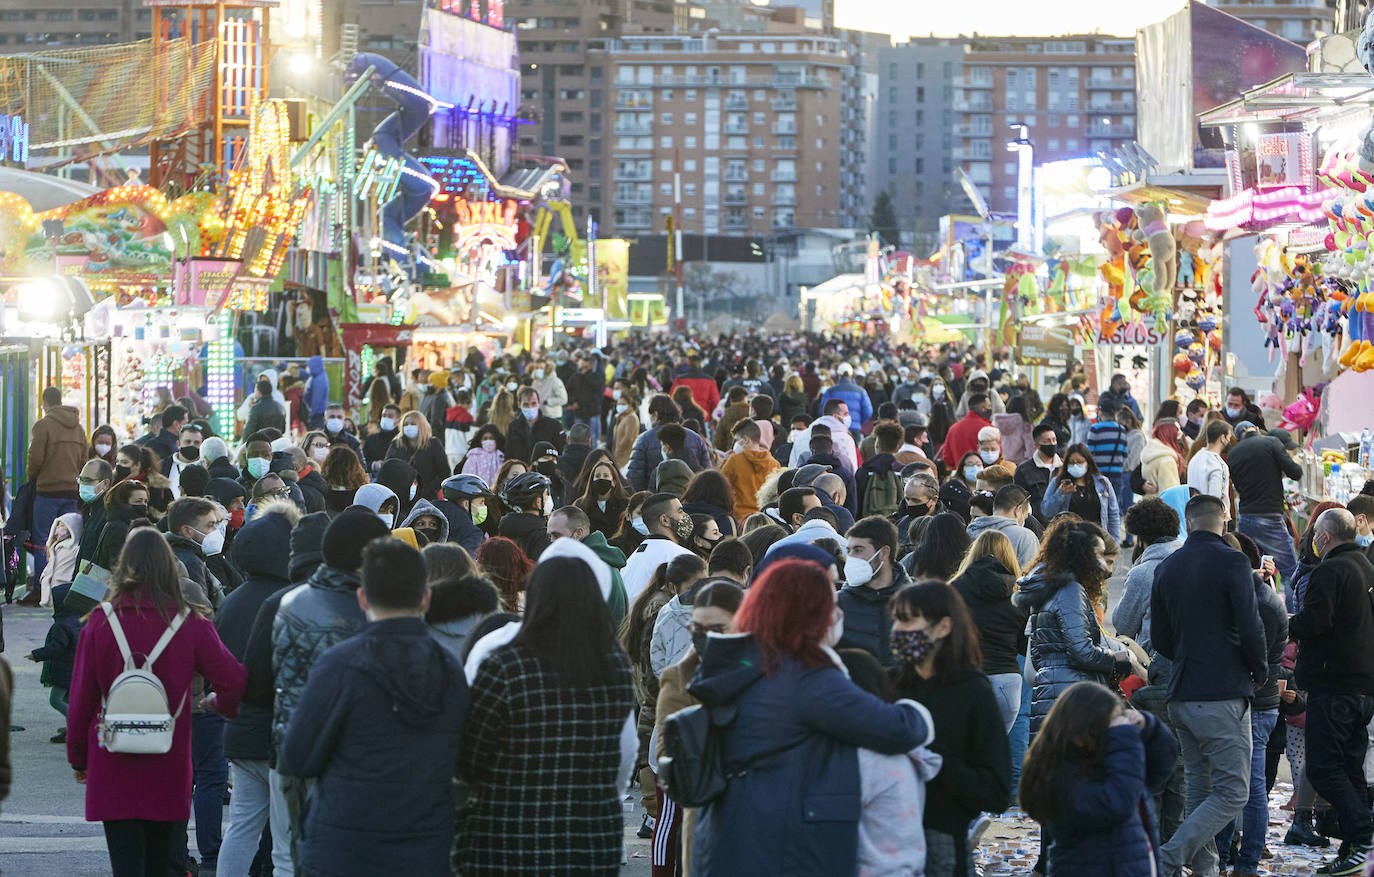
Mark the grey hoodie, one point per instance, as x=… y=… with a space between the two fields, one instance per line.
x=1023 y=541
x=996 y=400
x=425 y=507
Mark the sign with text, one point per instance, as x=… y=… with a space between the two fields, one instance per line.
x=1044 y=345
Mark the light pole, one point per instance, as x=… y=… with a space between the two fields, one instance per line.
x=1025 y=173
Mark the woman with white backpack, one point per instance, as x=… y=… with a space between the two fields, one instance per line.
x=129 y=719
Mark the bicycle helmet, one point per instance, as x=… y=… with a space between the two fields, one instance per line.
x=523 y=491
x=457 y=488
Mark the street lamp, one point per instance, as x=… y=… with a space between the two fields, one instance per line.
x=1025 y=170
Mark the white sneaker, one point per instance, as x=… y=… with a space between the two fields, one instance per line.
x=977 y=828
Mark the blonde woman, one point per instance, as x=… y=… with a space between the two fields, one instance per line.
x=626 y=430
x=425 y=453
x=793 y=400
x=502 y=410
x=986 y=580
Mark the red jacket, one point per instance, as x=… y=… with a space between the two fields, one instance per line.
x=704 y=390
x=962 y=438
x=156 y=787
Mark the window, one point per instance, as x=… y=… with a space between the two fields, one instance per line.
x=665 y=165
x=594 y=169
x=689 y=211
x=759 y=165
x=892 y=165
x=758 y=118
x=736 y=142
x=689 y=165
x=1008 y=192
x=1009 y=168
x=758 y=143
x=666 y=118
x=921 y=69
x=1054 y=119
x=596 y=100
x=665 y=142
x=920 y=165
x=689 y=94
x=689 y=142
x=689 y=189
x=758 y=188
x=760 y=94
x=1071 y=144
x=1071 y=121
x=920 y=94
x=758 y=213
x=690 y=118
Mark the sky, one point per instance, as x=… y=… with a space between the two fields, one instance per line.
x=999 y=17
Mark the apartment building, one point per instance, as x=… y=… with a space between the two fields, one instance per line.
x=27 y=26
x=1075 y=95
x=754 y=123
x=1296 y=20
x=912 y=158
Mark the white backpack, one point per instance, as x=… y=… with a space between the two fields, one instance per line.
x=135 y=717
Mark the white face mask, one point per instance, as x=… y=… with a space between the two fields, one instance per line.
x=990 y=457
x=102 y=449
x=857 y=571
x=621 y=408
x=938 y=391
x=836 y=631
x=795 y=434
x=740 y=446
x=1077 y=470
x=280 y=443
x=213 y=543
x=410 y=431
x=388 y=424
x=388 y=518
x=334 y=424
x=319 y=454
x=511 y=385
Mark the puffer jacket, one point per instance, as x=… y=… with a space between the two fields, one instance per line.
x=312 y=617
x=867 y=624
x=1066 y=642
x=671 y=638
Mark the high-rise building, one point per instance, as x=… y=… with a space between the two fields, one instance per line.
x=1296 y=20
x=1074 y=94
x=912 y=157
x=754 y=124
x=26 y=27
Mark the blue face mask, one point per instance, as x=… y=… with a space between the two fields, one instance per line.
x=86 y=492
x=1365 y=540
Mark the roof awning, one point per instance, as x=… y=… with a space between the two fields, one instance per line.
x=1296 y=97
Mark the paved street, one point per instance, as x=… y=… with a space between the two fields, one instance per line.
x=43 y=832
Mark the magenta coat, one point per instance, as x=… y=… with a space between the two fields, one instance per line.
x=156 y=787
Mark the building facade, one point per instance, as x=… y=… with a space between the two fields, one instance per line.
x=912 y=157
x=1296 y=20
x=1074 y=94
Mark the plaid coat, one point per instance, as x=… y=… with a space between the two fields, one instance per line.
x=542 y=761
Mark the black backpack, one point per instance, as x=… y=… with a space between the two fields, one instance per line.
x=691 y=763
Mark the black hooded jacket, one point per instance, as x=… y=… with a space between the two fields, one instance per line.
x=398 y=475
x=528 y=531
x=986 y=587
x=262 y=551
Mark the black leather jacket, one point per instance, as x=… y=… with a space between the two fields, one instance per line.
x=314 y=616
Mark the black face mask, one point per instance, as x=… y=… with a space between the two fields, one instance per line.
x=431 y=535
x=699 y=642
x=547 y=468
x=122 y=472
x=602 y=486
x=1049 y=450
x=191 y=453
x=140 y=511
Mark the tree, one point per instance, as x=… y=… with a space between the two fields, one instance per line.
x=883 y=220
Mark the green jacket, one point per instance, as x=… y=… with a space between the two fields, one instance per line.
x=615 y=559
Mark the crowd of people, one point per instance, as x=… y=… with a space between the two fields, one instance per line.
x=450 y=636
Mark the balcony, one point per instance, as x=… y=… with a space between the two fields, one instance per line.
x=1104 y=83
x=633 y=198
x=1114 y=108
x=965 y=129
x=633 y=175
x=736 y=198
x=978 y=84
x=635 y=220
x=970 y=153
x=784 y=127
x=737 y=103
x=784 y=199
x=735 y=221
x=639 y=128
x=736 y=128
x=784 y=105
x=1116 y=132
x=736 y=176
x=964 y=105
x=634 y=105
x=784 y=176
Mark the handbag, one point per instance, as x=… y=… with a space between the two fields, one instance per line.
x=1028 y=669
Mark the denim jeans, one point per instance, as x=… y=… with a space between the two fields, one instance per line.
x=1336 y=742
x=248 y=810
x=1125 y=497
x=1169 y=800
x=211 y=774
x=1019 y=737
x=1007 y=687
x=1271 y=535
x=282 y=863
x=46 y=509
x=1215 y=738
x=1255 y=819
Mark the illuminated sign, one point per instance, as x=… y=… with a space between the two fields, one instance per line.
x=1280 y=161
x=203 y=282
x=14 y=140
x=482 y=233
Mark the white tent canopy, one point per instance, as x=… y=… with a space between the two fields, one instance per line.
x=43 y=191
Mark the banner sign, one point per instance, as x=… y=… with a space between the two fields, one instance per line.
x=354 y=336
x=1044 y=345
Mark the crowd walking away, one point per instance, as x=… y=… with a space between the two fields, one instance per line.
x=776 y=603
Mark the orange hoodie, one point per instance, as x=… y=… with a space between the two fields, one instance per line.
x=746 y=471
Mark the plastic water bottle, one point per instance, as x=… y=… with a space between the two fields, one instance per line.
x=1365 y=447
x=1332 y=481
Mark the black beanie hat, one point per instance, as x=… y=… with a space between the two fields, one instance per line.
x=347 y=534
x=305 y=545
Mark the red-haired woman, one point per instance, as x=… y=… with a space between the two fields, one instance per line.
x=792 y=804
x=502 y=561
